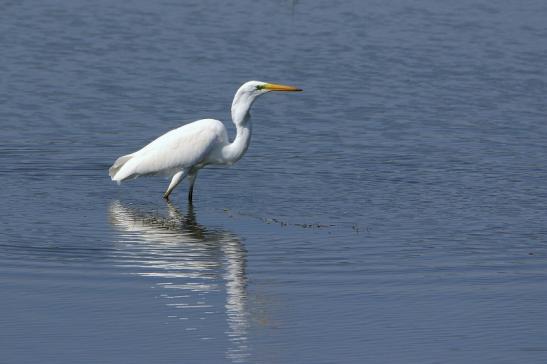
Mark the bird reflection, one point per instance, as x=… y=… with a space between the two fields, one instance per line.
x=192 y=261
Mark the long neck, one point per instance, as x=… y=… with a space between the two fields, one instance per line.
x=235 y=150
x=242 y=120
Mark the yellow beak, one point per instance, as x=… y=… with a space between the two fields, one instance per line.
x=276 y=87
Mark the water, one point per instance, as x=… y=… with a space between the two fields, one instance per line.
x=393 y=212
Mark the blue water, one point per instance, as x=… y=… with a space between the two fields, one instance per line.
x=393 y=212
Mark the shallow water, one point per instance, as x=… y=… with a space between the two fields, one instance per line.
x=392 y=212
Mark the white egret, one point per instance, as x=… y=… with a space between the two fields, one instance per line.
x=184 y=151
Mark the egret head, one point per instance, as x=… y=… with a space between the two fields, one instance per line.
x=252 y=89
x=248 y=92
x=260 y=87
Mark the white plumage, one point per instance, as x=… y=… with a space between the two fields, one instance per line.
x=184 y=151
x=177 y=149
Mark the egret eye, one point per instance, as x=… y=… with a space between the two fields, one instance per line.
x=259 y=87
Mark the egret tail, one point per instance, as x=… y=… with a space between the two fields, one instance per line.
x=118 y=164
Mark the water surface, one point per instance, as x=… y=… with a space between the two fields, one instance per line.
x=393 y=212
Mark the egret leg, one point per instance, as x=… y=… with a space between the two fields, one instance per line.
x=179 y=176
x=192 y=179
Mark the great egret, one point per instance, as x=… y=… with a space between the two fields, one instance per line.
x=184 y=151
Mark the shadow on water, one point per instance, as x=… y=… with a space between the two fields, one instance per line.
x=193 y=262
